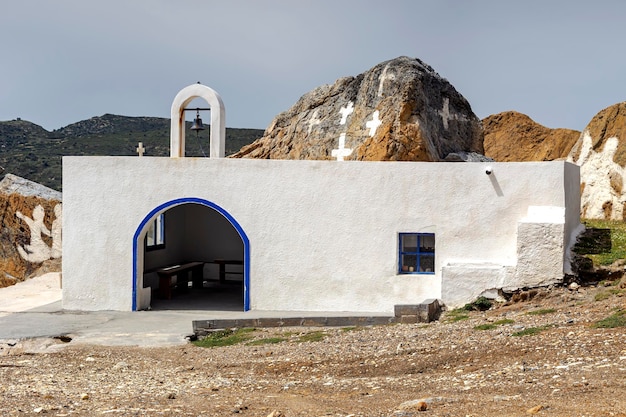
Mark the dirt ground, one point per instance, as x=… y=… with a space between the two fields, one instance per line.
x=568 y=368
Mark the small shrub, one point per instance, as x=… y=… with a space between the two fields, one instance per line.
x=455 y=315
x=542 y=311
x=227 y=337
x=530 y=331
x=266 y=341
x=480 y=304
x=602 y=296
x=315 y=336
x=490 y=326
x=606 y=294
x=618 y=319
x=486 y=326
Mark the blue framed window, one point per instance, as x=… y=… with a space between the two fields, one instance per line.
x=417 y=253
x=155 y=237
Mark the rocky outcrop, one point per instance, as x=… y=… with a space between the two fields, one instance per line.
x=601 y=153
x=399 y=110
x=30 y=229
x=514 y=137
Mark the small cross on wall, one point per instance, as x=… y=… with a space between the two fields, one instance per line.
x=140 y=149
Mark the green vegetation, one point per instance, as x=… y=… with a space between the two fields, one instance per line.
x=455 y=315
x=541 y=311
x=604 y=242
x=531 y=331
x=480 y=304
x=315 y=336
x=603 y=295
x=617 y=319
x=352 y=328
x=486 y=326
x=227 y=337
x=31 y=152
x=266 y=341
x=495 y=324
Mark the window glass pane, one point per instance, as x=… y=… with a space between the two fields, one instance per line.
x=427 y=243
x=409 y=243
x=427 y=263
x=150 y=235
x=160 y=230
x=409 y=263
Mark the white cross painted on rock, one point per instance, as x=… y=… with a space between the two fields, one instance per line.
x=384 y=77
x=373 y=124
x=140 y=149
x=342 y=151
x=446 y=116
x=313 y=121
x=445 y=113
x=345 y=112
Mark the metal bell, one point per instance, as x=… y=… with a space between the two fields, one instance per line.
x=197 y=122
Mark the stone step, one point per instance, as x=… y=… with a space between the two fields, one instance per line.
x=425 y=312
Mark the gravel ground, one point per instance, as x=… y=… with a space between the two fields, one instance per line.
x=449 y=367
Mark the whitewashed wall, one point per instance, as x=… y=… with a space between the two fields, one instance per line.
x=323 y=234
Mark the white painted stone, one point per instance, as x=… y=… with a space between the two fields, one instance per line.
x=385 y=76
x=446 y=115
x=314 y=121
x=140 y=149
x=542 y=258
x=342 y=152
x=373 y=124
x=37 y=250
x=545 y=214
x=540 y=255
x=464 y=282
x=57 y=234
x=345 y=112
x=330 y=243
x=597 y=169
x=218 y=117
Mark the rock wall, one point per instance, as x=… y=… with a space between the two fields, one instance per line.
x=399 y=110
x=601 y=153
x=30 y=230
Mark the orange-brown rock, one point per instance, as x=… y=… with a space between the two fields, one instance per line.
x=601 y=153
x=399 y=110
x=514 y=137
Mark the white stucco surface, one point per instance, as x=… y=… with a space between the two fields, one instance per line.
x=218 y=120
x=323 y=234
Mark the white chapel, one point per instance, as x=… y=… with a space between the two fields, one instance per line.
x=302 y=235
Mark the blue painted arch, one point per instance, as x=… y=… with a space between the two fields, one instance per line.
x=192 y=200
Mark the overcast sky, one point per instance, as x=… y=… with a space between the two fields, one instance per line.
x=559 y=61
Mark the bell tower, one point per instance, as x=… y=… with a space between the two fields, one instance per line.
x=218 y=125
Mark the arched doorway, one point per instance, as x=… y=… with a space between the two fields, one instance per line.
x=196 y=229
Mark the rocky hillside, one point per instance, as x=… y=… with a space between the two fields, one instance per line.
x=399 y=110
x=32 y=152
x=601 y=153
x=513 y=137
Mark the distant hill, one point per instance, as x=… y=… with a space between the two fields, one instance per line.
x=32 y=152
